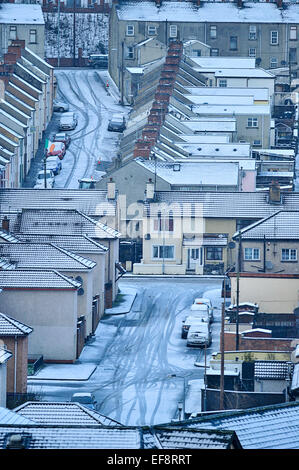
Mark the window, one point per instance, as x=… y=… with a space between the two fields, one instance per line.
x=163 y=223
x=222 y=83
x=257 y=143
x=293 y=55
x=163 y=251
x=252 y=254
x=32 y=36
x=213 y=32
x=12 y=32
x=252 y=52
x=293 y=33
x=152 y=30
x=173 y=31
x=273 y=62
x=197 y=52
x=130 y=30
x=252 y=33
x=233 y=43
x=252 y=122
x=288 y=254
x=274 y=37
x=214 y=52
x=130 y=53
x=214 y=253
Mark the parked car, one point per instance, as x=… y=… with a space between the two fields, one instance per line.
x=85 y=398
x=87 y=183
x=60 y=106
x=40 y=181
x=55 y=149
x=199 y=336
x=191 y=320
x=201 y=311
x=117 y=123
x=62 y=137
x=205 y=301
x=98 y=61
x=68 y=121
x=54 y=164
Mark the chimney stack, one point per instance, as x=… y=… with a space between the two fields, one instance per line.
x=279 y=4
x=240 y=3
x=5 y=223
x=111 y=189
x=150 y=190
x=274 y=193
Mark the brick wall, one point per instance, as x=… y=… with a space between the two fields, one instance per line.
x=21 y=363
x=257 y=343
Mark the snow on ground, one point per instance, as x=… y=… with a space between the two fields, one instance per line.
x=64 y=372
x=141 y=361
x=128 y=296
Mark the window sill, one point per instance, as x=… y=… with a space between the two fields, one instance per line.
x=250 y=260
x=289 y=261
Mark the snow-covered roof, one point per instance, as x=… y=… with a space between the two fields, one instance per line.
x=187 y=12
x=74 y=243
x=10 y=417
x=11 y=327
x=264 y=427
x=257 y=93
x=209 y=125
x=13 y=13
x=247 y=110
x=41 y=279
x=4 y=356
x=283 y=225
x=221 y=99
x=66 y=413
x=218 y=150
x=225 y=62
x=239 y=73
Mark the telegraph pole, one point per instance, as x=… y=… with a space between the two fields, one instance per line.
x=58 y=35
x=45 y=173
x=74 y=34
x=221 y=394
x=238 y=292
x=122 y=73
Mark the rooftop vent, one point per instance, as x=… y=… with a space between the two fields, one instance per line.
x=16 y=441
x=176 y=167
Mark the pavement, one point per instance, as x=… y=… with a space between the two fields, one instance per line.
x=123 y=302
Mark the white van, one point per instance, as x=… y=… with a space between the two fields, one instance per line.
x=204 y=301
x=199 y=335
x=190 y=320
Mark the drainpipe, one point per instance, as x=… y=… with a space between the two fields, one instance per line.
x=15 y=365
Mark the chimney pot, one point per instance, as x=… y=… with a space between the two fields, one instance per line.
x=5 y=223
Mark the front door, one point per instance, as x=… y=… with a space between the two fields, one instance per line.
x=193 y=257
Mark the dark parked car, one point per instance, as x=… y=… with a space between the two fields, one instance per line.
x=98 y=61
x=117 y=123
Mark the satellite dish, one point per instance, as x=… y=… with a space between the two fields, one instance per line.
x=231 y=245
x=79 y=279
x=80 y=291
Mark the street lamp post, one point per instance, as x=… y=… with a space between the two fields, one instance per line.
x=181 y=406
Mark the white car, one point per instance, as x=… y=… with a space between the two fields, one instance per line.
x=199 y=335
x=86 y=399
x=204 y=301
x=192 y=320
x=68 y=121
x=40 y=181
x=60 y=106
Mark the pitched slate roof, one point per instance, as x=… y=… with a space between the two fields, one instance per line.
x=246 y=205
x=271 y=370
x=266 y=427
x=62 y=413
x=43 y=256
x=92 y=202
x=181 y=438
x=282 y=225
x=74 y=243
x=10 y=417
x=11 y=327
x=18 y=279
x=63 y=222
x=41 y=436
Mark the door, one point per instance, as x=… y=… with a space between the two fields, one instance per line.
x=193 y=257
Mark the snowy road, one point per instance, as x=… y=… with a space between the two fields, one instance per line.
x=136 y=353
x=86 y=93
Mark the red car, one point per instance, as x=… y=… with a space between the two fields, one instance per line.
x=56 y=149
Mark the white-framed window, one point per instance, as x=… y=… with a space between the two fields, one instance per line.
x=288 y=254
x=163 y=251
x=293 y=33
x=214 y=52
x=257 y=143
x=274 y=37
x=173 y=31
x=252 y=122
x=32 y=36
x=130 y=52
x=12 y=32
x=213 y=253
x=213 y=32
x=252 y=52
x=273 y=62
x=163 y=223
x=151 y=30
x=130 y=30
x=252 y=33
x=252 y=254
x=222 y=83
